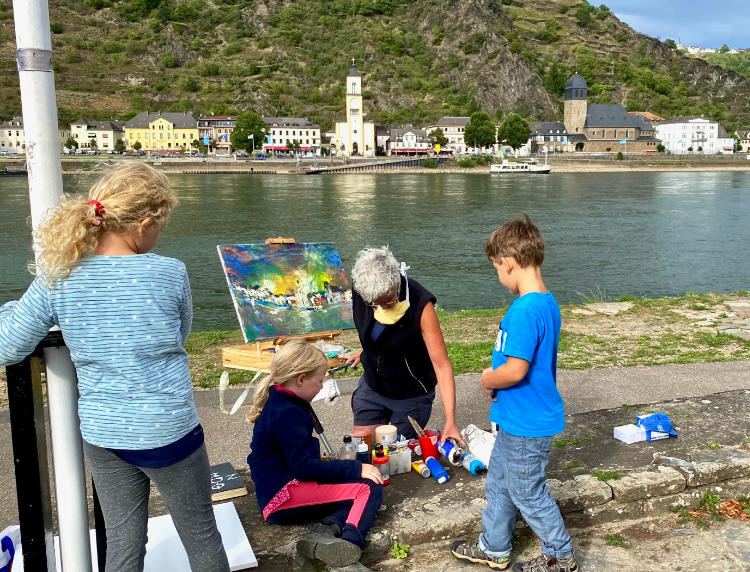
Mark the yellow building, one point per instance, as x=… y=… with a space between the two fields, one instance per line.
x=171 y=131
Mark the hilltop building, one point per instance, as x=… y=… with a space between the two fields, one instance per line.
x=354 y=135
x=92 y=134
x=162 y=131
x=696 y=135
x=603 y=127
x=13 y=139
x=284 y=131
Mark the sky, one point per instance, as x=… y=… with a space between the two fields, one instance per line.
x=707 y=24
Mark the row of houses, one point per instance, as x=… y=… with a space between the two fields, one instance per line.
x=587 y=128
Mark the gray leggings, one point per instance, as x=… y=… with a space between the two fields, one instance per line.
x=185 y=487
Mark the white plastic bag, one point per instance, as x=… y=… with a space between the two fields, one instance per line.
x=10 y=541
x=480 y=443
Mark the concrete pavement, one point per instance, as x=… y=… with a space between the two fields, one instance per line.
x=707 y=402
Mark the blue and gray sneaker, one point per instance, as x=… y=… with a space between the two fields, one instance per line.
x=471 y=552
x=545 y=563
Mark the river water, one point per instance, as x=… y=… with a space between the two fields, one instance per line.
x=607 y=234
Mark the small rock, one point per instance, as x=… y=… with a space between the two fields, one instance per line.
x=686 y=531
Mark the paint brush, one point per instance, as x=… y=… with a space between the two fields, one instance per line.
x=416 y=426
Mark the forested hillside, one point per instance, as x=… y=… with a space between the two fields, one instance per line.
x=419 y=59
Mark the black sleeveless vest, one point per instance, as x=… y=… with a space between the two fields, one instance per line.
x=397 y=364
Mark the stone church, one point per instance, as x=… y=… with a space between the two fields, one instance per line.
x=603 y=127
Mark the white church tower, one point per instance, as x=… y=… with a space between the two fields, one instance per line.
x=355 y=136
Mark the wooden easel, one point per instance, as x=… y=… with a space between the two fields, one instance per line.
x=257 y=356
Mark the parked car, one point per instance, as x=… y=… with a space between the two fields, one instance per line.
x=241 y=155
x=93 y=151
x=261 y=156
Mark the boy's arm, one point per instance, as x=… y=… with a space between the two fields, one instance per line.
x=507 y=375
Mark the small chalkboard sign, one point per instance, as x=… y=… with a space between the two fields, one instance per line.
x=226 y=483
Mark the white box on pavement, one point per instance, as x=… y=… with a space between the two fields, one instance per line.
x=631 y=433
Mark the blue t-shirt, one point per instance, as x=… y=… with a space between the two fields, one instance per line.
x=530 y=331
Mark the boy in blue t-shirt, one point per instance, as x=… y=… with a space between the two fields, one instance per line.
x=522 y=384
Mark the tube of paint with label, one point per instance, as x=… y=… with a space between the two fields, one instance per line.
x=450 y=451
x=437 y=470
x=421 y=468
x=473 y=465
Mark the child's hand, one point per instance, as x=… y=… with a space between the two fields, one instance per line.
x=370 y=472
x=488 y=391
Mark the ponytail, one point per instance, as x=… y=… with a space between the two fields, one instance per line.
x=117 y=202
x=295 y=358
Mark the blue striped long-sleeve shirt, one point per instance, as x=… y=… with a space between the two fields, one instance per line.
x=125 y=320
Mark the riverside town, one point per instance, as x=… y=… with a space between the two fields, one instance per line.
x=280 y=292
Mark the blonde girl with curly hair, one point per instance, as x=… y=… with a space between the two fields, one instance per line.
x=292 y=484
x=125 y=314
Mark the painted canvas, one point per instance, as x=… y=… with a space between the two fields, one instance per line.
x=287 y=289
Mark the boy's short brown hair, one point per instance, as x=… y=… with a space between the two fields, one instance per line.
x=519 y=239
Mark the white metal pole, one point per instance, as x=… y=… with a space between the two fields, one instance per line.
x=37 y=82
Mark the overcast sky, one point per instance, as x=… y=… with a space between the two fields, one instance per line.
x=708 y=24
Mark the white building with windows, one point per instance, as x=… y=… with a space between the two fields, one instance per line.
x=216 y=130
x=453 y=128
x=101 y=135
x=354 y=135
x=284 y=131
x=13 y=139
x=407 y=141
x=694 y=135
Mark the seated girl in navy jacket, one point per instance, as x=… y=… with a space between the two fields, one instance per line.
x=292 y=484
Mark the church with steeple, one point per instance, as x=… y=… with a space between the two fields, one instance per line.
x=603 y=127
x=355 y=135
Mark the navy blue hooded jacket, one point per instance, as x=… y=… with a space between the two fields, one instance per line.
x=283 y=448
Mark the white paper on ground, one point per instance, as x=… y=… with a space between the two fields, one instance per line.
x=164 y=550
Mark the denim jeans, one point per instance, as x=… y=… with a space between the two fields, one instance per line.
x=516 y=481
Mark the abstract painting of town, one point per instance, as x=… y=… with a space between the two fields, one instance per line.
x=287 y=289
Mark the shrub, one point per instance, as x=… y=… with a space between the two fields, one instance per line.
x=429 y=163
x=619 y=155
x=55 y=28
x=466 y=162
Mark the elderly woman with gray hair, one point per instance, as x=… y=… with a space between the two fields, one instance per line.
x=403 y=351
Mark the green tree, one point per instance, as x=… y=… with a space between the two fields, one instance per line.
x=137 y=145
x=514 y=131
x=724 y=49
x=438 y=137
x=71 y=143
x=249 y=131
x=660 y=148
x=479 y=131
x=120 y=146
x=93 y=144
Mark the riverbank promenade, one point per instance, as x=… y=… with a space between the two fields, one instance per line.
x=706 y=401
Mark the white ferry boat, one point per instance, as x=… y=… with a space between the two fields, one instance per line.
x=522 y=167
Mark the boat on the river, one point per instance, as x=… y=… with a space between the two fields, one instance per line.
x=6 y=171
x=522 y=167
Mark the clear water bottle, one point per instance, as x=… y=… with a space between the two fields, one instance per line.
x=363 y=453
x=348 y=450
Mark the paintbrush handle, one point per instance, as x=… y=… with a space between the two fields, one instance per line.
x=416 y=426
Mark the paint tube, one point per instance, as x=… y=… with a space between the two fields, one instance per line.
x=450 y=451
x=421 y=468
x=437 y=470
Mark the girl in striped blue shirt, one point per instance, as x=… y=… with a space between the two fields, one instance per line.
x=125 y=314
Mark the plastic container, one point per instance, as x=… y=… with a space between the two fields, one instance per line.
x=399 y=459
x=381 y=462
x=437 y=470
x=386 y=434
x=363 y=452
x=429 y=446
x=472 y=464
x=363 y=433
x=348 y=449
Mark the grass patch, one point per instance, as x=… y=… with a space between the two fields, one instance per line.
x=560 y=443
x=574 y=464
x=709 y=445
x=617 y=540
x=607 y=475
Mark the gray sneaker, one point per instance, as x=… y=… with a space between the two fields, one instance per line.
x=331 y=550
x=546 y=563
x=470 y=551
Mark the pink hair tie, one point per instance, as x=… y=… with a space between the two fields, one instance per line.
x=98 y=212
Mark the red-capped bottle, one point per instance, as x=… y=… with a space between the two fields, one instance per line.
x=381 y=462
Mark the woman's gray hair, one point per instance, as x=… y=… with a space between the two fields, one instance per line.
x=375 y=273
